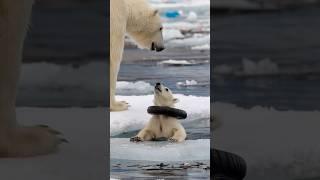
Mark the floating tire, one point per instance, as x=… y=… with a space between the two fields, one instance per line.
x=228 y=166
x=168 y=111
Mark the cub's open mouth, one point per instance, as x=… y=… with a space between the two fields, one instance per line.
x=157 y=88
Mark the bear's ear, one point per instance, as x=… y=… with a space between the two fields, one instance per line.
x=155 y=12
x=175 y=100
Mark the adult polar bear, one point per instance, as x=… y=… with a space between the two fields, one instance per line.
x=143 y=24
x=15 y=140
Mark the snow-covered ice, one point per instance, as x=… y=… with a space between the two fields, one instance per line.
x=264 y=66
x=172 y=34
x=192 y=41
x=136 y=117
x=190 y=150
x=188 y=83
x=42 y=75
x=201 y=47
x=137 y=88
x=82 y=159
x=281 y=144
x=191 y=16
x=190 y=4
x=174 y=62
x=177 y=62
x=250 y=67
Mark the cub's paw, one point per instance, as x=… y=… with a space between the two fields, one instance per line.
x=119 y=106
x=33 y=141
x=136 y=139
x=173 y=140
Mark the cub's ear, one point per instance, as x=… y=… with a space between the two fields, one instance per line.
x=155 y=12
x=175 y=100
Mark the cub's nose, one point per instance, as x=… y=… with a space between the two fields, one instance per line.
x=158 y=84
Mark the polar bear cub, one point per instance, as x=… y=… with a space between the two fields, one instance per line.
x=161 y=126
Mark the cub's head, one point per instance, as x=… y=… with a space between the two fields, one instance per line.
x=145 y=28
x=163 y=96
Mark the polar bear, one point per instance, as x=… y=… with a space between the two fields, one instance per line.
x=139 y=21
x=16 y=140
x=161 y=126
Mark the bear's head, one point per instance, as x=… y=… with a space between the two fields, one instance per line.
x=144 y=25
x=163 y=96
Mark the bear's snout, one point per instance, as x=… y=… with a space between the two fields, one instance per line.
x=156 y=47
x=160 y=48
x=157 y=87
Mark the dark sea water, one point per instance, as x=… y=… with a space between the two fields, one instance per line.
x=290 y=39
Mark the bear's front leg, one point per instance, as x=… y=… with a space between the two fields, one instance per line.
x=117 y=35
x=115 y=105
x=17 y=141
x=179 y=135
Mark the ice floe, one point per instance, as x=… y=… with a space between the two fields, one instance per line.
x=190 y=150
x=134 y=88
x=173 y=62
x=198 y=108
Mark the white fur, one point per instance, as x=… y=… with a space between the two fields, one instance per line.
x=141 y=23
x=161 y=126
x=15 y=140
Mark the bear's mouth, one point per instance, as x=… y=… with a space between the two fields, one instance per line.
x=155 y=47
x=157 y=88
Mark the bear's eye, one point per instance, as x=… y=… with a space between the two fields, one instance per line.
x=167 y=89
x=161 y=28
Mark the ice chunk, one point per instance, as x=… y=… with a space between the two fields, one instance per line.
x=249 y=67
x=177 y=62
x=45 y=75
x=201 y=47
x=136 y=88
x=191 y=83
x=264 y=66
x=198 y=108
x=172 y=62
x=190 y=150
x=190 y=4
x=188 y=83
x=192 y=17
x=189 y=42
x=169 y=34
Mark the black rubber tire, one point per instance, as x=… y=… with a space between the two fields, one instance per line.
x=168 y=111
x=228 y=166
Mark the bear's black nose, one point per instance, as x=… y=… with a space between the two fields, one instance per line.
x=159 y=49
x=158 y=84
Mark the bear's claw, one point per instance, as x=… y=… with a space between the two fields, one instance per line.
x=172 y=140
x=124 y=102
x=32 y=141
x=53 y=131
x=63 y=140
x=136 y=139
